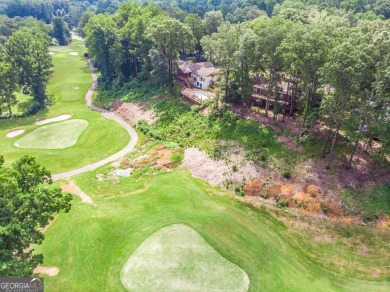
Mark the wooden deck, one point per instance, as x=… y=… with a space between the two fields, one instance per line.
x=196 y=96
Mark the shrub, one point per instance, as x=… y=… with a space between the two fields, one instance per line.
x=264 y=195
x=369 y=217
x=234 y=167
x=176 y=159
x=239 y=192
x=276 y=197
x=35 y=107
x=195 y=108
x=286 y=174
x=282 y=203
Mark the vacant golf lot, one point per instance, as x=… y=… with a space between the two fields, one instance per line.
x=85 y=138
x=100 y=245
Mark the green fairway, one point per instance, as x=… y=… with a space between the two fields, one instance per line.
x=56 y=136
x=68 y=85
x=177 y=258
x=91 y=244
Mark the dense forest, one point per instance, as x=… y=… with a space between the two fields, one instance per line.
x=338 y=62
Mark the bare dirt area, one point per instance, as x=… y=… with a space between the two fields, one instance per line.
x=157 y=157
x=72 y=188
x=288 y=142
x=217 y=172
x=308 y=198
x=133 y=112
x=276 y=123
x=49 y=271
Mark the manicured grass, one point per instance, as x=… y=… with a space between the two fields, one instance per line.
x=177 y=258
x=56 y=136
x=68 y=84
x=91 y=244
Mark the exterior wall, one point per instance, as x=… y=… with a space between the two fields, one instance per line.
x=205 y=83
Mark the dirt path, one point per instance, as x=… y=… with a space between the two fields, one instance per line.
x=72 y=188
x=110 y=116
x=50 y=271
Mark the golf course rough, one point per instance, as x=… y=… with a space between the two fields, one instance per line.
x=54 y=136
x=177 y=258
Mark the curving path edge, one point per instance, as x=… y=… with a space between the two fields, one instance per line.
x=110 y=116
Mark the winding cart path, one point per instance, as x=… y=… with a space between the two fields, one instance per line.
x=108 y=115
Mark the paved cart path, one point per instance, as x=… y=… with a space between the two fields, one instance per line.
x=108 y=115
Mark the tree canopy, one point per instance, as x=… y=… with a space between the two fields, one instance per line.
x=28 y=202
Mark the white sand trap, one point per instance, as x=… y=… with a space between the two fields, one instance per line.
x=51 y=53
x=177 y=258
x=74 y=53
x=52 y=120
x=15 y=133
x=50 y=271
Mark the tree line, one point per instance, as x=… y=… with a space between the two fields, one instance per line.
x=337 y=66
x=243 y=10
x=24 y=65
x=69 y=10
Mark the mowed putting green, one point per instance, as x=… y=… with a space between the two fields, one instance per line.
x=56 y=136
x=68 y=84
x=177 y=258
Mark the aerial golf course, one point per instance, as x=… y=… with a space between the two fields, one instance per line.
x=83 y=138
x=166 y=232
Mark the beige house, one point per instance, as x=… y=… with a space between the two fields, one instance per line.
x=199 y=75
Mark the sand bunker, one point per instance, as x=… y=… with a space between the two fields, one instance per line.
x=177 y=258
x=15 y=133
x=50 y=271
x=74 y=53
x=52 y=120
x=51 y=53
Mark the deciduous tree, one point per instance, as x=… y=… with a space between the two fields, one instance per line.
x=28 y=202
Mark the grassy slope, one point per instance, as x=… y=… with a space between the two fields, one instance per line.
x=68 y=83
x=91 y=244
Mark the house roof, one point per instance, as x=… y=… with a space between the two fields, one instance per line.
x=201 y=69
